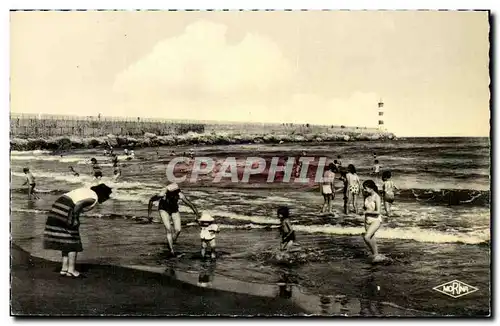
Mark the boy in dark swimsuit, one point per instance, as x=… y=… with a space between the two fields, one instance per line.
x=96 y=169
x=168 y=207
x=286 y=230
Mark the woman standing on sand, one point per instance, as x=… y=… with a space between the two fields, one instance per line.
x=373 y=219
x=353 y=187
x=62 y=227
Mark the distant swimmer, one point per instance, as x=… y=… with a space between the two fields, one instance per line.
x=96 y=169
x=376 y=169
x=114 y=159
x=117 y=172
x=130 y=155
x=62 y=228
x=168 y=207
x=389 y=189
x=209 y=230
x=286 y=231
x=327 y=188
x=30 y=181
x=353 y=187
x=373 y=219
x=339 y=160
x=72 y=170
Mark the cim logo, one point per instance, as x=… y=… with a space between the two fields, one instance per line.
x=455 y=288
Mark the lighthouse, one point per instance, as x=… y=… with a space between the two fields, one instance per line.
x=380 y=115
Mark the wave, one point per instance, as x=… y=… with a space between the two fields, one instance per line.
x=447 y=196
x=476 y=236
x=140 y=191
x=34 y=152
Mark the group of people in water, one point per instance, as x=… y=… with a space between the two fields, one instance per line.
x=352 y=189
x=62 y=225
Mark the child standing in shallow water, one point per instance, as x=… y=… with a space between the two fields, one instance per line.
x=389 y=188
x=286 y=230
x=207 y=234
x=30 y=180
x=353 y=187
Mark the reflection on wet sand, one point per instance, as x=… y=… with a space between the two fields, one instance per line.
x=369 y=303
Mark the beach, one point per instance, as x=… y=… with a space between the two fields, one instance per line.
x=441 y=232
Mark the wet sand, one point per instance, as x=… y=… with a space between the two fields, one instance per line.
x=38 y=289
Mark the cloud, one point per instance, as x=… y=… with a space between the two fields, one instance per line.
x=199 y=75
x=201 y=65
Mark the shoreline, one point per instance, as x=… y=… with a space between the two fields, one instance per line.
x=109 y=290
x=191 y=138
x=37 y=289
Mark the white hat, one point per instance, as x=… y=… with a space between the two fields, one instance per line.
x=205 y=217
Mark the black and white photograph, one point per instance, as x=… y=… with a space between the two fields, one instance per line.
x=250 y=163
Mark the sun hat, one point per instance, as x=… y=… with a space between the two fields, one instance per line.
x=205 y=217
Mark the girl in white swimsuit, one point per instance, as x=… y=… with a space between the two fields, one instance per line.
x=353 y=187
x=373 y=220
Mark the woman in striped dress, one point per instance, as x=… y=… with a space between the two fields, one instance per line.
x=62 y=227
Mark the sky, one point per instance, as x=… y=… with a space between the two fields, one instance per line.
x=321 y=67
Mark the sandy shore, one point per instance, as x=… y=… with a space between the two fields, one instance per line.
x=38 y=289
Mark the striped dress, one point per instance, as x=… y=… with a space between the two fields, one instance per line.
x=62 y=230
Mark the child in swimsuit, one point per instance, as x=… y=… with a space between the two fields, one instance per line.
x=30 y=180
x=96 y=169
x=353 y=187
x=286 y=231
x=376 y=168
x=207 y=234
x=117 y=172
x=327 y=188
x=373 y=220
x=389 y=188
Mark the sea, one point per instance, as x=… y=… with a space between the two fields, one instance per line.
x=439 y=232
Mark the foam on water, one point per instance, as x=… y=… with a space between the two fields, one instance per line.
x=475 y=236
x=413 y=233
x=34 y=152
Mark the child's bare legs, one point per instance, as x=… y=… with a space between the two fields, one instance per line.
x=354 y=200
x=325 y=203
x=31 y=192
x=329 y=199
x=369 y=236
x=213 y=254
x=387 y=207
x=287 y=245
x=203 y=248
